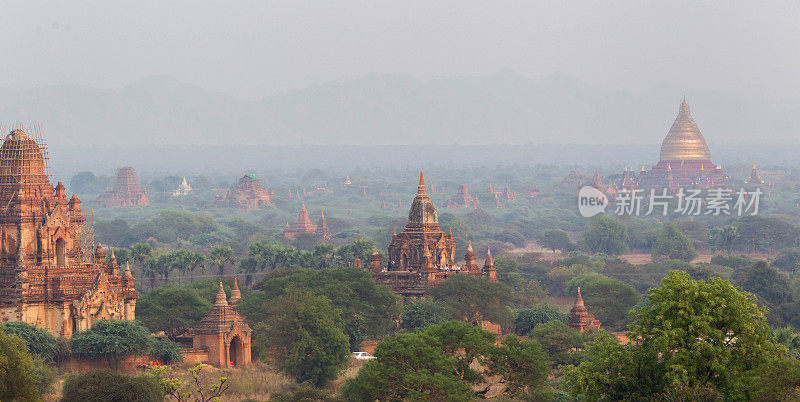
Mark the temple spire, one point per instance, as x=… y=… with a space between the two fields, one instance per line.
x=579 y=298
x=236 y=294
x=421 y=189
x=222 y=300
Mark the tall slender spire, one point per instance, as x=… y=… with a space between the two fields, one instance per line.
x=421 y=189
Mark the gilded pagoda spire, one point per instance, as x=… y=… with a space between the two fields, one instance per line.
x=684 y=142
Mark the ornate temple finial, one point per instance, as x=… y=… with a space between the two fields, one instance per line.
x=579 y=298
x=421 y=189
x=469 y=247
x=322 y=214
x=222 y=300
x=127 y=268
x=236 y=295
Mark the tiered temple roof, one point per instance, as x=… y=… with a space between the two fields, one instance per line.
x=223 y=332
x=248 y=194
x=126 y=191
x=423 y=254
x=303 y=225
x=685 y=161
x=579 y=317
x=462 y=199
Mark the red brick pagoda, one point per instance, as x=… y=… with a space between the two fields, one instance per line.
x=248 y=194
x=303 y=225
x=51 y=274
x=126 y=191
x=579 y=317
x=223 y=333
x=423 y=254
x=462 y=199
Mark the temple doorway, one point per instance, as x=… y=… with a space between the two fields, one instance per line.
x=236 y=352
x=61 y=253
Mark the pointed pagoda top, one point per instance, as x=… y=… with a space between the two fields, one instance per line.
x=236 y=295
x=579 y=298
x=469 y=247
x=684 y=140
x=421 y=189
x=222 y=300
x=489 y=260
x=128 y=269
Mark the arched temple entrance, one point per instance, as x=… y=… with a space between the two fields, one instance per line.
x=236 y=351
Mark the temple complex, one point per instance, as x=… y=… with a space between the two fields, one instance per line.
x=51 y=274
x=579 y=317
x=303 y=225
x=223 y=332
x=126 y=191
x=462 y=199
x=423 y=254
x=248 y=194
x=685 y=161
x=183 y=189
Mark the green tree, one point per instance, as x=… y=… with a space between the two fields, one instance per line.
x=474 y=299
x=673 y=244
x=420 y=313
x=724 y=237
x=366 y=309
x=526 y=319
x=690 y=335
x=171 y=309
x=422 y=366
x=165 y=350
x=219 y=256
x=304 y=337
x=112 y=340
x=17 y=380
x=523 y=364
x=140 y=252
x=608 y=299
x=110 y=386
x=39 y=342
x=184 y=391
x=556 y=239
x=606 y=235
x=766 y=282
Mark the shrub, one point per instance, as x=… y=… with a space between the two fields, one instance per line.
x=732 y=261
x=106 y=385
x=525 y=320
x=38 y=340
x=165 y=351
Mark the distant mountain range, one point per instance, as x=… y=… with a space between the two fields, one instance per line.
x=504 y=108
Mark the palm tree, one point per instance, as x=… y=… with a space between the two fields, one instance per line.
x=219 y=256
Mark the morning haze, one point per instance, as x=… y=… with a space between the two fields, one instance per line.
x=378 y=73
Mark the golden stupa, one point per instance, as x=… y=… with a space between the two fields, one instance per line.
x=684 y=141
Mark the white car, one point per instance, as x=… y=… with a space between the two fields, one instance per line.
x=362 y=356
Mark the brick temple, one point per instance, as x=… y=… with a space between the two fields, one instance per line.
x=223 y=333
x=304 y=226
x=579 y=317
x=462 y=199
x=423 y=254
x=126 y=191
x=51 y=274
x=248 y=194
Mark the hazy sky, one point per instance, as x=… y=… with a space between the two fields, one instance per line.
x=255 y=48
